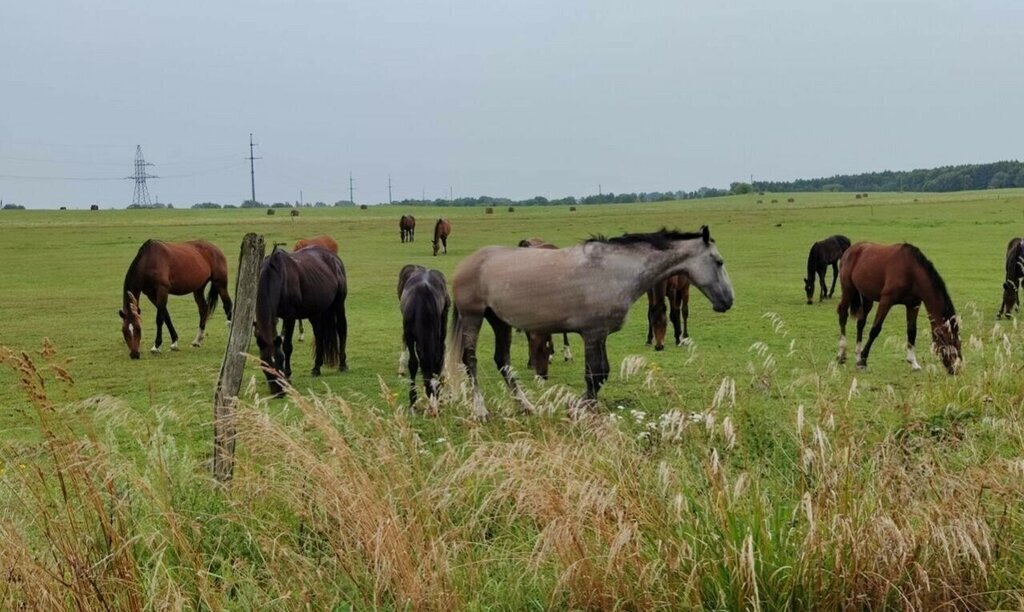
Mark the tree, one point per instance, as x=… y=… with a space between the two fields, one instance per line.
x=740 y=188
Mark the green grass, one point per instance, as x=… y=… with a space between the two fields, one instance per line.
x=61 y=278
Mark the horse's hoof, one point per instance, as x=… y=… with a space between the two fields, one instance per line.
x=841 y=359
x=174 y=346
x=343 y=368
x=197 y=344
x=659 y=347
x=862 y=365
x=155 y=350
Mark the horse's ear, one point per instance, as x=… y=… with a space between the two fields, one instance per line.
x=705 y=233
x=120 y=313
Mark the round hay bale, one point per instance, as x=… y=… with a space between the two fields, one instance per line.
x=775 y=201
x=572 y=209
x=363 y=207
x=294 y=213
x=791 y=200
x=489 y=211
x=94 y=207
x=271 y=211
x=857 y=196
x=511 y=209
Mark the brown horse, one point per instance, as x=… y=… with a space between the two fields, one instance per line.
x=823 y=254
x=890 y=275
x=161 y=269
x=1014 y=274
x=321 y=241
x=324 y=241
x=677 y=289
x=587 y=289
x=407 y=228
x=441 y=230
x=541 y=347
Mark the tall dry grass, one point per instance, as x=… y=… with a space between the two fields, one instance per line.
x=723 y=505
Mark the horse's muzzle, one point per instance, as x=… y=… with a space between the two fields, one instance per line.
x=133 y=354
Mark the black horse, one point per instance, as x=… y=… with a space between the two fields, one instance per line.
x=407 y=228
x=823 y=254
x=306 y=284
x=423 y=299
x=1014 y=275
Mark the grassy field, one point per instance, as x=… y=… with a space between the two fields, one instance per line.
x=746 y=470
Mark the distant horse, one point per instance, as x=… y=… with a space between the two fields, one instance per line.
x=890 y=275
x=823 y=254
x=677 y=289
x=1014 y=275
x=323 y=241
x=161 y=269
x=407 y=228
x=307 y=284
x=424 y=302
x=585 y=289
x=540 y=346
x=441 y=230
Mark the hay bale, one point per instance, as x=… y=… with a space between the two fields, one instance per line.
x=294 y=213
x=857 y=196
x=511 y=209
x=791 y=200
x=864 y=194
x=363 y=207
x=775 y=201
x=94 y=207
x=572 y=209
x=270 y=211
x=760 y=201
x=489 y=211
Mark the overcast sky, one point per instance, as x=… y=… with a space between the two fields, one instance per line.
x=509 y=98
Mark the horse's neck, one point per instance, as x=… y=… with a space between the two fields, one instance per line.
x=933 y=299
x=639 y=268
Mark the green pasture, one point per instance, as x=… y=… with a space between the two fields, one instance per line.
x=62 y=272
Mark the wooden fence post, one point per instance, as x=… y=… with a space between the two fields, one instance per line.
x=233 y=366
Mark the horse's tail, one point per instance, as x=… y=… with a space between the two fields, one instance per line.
x=430 y=334
x=452 y=371
x=211 y=299
x=326 y=343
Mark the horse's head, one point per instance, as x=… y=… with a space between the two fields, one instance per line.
x=437 y=245
x=1010 y=298
x=131 y=325
x=541 y=350
x=809 y=289
x=946 y=342
x=706 y=270
x=272 y=355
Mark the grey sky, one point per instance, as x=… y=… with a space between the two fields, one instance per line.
x=511 y=98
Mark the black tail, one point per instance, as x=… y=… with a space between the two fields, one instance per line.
x=211 y=299
x=326 y=343
x=429 y=330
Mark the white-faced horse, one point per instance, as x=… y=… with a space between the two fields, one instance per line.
x=585 y=289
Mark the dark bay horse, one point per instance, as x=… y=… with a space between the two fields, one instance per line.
x=441 y=230
x=424 y=302
x=586 y=289
x=890 y=275
x=307 y=284
x=407 y=228
x=823 y=254
x=676 y=289
x=161 y=269
x=540 y=346
x=322 y=241
x=1014 y=274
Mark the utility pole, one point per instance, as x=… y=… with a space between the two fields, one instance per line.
x=599 y=192
x=252 y=167
x=389 y=189
x=300 y=198
x=351 y=189
x=423 y=195
x=451 y=195
x=141 y=197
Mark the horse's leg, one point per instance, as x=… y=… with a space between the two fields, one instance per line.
x=287 y=329
x=444 y=241
x=222 y=290
x=650 y=317
x=883 y=309
x=470 y=325
x=318 y=350
x=684 y=307
x=203 y=314
x=502 y=358
x=159 y=340
x=342 y=338
x=912 y=336
x=596 y=370
x=403 y=359
x=302 y=332
x=566 y=349
x=862 y=317
x=657 y=322
x=170 y=326
x=844 y=312
x=835 y=276
x=674 y=305
x=414 y=364
x=821 y=282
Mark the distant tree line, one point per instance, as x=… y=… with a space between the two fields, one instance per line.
x=965 y=177
x=604 y=198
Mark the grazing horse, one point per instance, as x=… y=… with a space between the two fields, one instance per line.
x=424 y=302
x=1014 y=274
x=585 y=289
x=677 y=289
x=161 y=269
x=323 y=241
x=407 y=228
x=307 y=284
x=823 y=254
x=540 y=346
x=890 y=275
x=441 y=230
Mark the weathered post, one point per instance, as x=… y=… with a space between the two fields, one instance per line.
x=233 y=366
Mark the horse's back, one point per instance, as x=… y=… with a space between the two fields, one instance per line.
x=872 y=268
x=323 y=241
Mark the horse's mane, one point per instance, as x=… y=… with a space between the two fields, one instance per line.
x=268 y=294
x=948 y=310
x=1014 y=253
x=133 y=267
x=661 y=240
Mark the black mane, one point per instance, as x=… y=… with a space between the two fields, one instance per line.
x=948 y=310
x=130 y=279
x=661 y=240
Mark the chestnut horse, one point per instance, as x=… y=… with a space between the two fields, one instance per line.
x=586 y=289
x=1014 y=274
x=307 y=284
x=441 y=230
x=161 y=269
x=323 y=241
x=541 y=347
x=424 y=302
x=823 y=254
x=677 y=289
x=890 y=275
x=407 y=228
